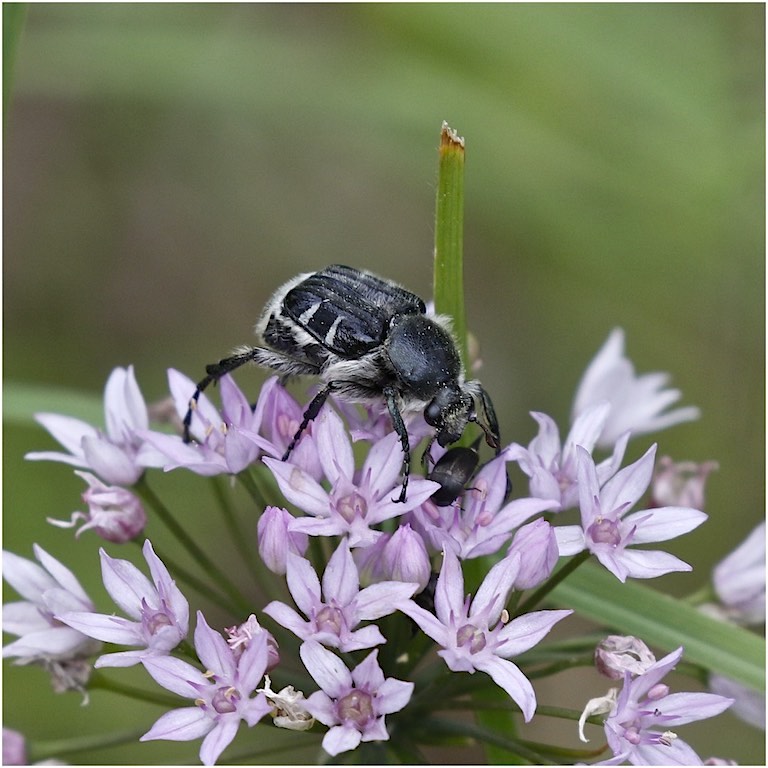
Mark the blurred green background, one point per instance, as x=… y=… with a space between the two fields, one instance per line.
x=166 y=167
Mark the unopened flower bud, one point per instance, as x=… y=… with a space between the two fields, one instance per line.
x=405 y=557
x=116 y=514
x=275 y=540
x=680 y=484
x=369 y=560
x=537 y=546
x=618 y=654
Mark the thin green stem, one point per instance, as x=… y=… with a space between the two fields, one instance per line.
x=197 y=553
x=260 y=491
x=448 y=286
x=245 y=543
x=485 y=736
x=99 y=681
x=530 y=603
x=57 y=749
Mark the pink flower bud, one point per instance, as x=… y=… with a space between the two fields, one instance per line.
x=537 y=546
x=405 y=557
x=116 y=514
x=275 y=541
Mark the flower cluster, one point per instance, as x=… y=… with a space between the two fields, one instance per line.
x=358 y=586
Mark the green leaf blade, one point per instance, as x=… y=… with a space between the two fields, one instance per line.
x=665 y=622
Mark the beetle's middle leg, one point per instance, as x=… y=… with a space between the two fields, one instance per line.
x=397 y=422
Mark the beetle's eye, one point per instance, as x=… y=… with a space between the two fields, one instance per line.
x=433 y=414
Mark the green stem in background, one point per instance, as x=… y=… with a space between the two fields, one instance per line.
x=448 y=288
x=201 y=558
x=244 y=542
x=99 y=681
x=530 y=603
x=61 y=749
x=14 y=16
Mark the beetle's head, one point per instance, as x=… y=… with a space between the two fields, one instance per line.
x=449 y=411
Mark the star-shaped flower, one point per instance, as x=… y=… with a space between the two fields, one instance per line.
x=222 y=695
x=159 y=612
x=608 y=529
x=356 y=502
x=117 y=455
x=472 y=632
x=333 y=616
x=640 y=719
x=638 y=403
x=225 y=442
x=352 y=704
x=552 y=468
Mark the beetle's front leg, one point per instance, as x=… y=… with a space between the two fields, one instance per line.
x=397 y=422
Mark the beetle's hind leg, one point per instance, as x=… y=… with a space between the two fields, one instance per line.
x=268 y=358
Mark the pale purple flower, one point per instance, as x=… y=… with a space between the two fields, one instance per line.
x=608 y=529
x=333 y=614
x=280 y=416
x=224 y=442
x=114 y=513
x=222 y=695
x=240 y=636
x=352 y=704
x=638 y=727
x=748 y=703
x=159 y=613
x=617 y=654
x=483 y=523
x=118 y=455
x=14 y=748
x=47 y=589
x=356 y=501
x=739 y=580
x=474 y=633
x=680 y=484
x=638 y=403
x=552 y=467
x=536 y=544
x=276 y=540
x=371 y=422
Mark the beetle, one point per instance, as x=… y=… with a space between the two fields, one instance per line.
x=453 y=471
x=366 y=339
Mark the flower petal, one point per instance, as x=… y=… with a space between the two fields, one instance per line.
x=327 y=670
x=183 y=724
x=219 y=739
x=507 y=676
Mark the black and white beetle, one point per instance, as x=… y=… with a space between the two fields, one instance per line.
x=366 y=339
